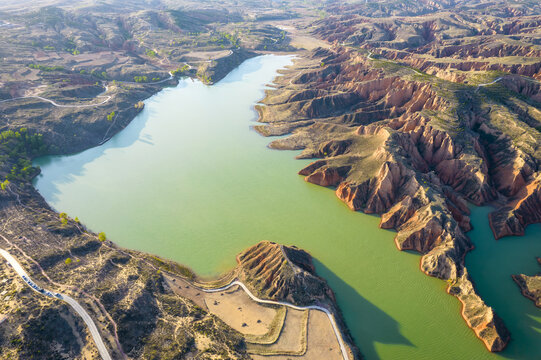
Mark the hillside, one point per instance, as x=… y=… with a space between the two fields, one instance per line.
x=414 y=117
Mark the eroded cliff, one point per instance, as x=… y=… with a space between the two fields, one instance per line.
x=415 y=149
x=530 y=286
x=286 y=273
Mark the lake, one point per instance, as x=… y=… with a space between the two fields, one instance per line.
x=190 y=180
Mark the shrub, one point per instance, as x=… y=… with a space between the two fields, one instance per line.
x=99 y=75
x=180 y=70
x=111 y=116
x=140 y=79
x=46 y=68
x=4 y=184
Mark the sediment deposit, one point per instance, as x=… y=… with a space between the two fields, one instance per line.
x=415 y=149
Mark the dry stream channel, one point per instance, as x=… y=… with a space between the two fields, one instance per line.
x=190 y=180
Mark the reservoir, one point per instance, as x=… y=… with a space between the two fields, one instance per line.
x=190 y=180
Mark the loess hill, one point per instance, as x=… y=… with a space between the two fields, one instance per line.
x=130 y=296
x=412 y=115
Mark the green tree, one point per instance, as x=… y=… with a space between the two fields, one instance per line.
x=140 y=79
x=63 y=218
x=4 y=184
x=68 y=261
x=102 y=237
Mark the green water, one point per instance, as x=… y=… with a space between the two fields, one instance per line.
x=190 y=180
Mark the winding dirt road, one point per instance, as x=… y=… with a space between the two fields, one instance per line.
x=74 y=304
x=490 y=83
x=56 y=104
x=107 y=98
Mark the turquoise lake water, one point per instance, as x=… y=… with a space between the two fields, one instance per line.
x=190 y=180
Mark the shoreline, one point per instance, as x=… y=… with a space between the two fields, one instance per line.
x=335 y=316
x=442 y=247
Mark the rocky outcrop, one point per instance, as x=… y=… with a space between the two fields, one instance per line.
x=286 y=273
x=429 y=214
x=522 y=210
x=399 y=147
x=482 y=319
x=446 y=44
x=215 y=70
x=530 y=286
x=282 y=273
x=435 y=66
x=327 y=176
x=523 y=86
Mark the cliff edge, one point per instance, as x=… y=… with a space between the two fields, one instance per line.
x=530 y=286
x=286 y=273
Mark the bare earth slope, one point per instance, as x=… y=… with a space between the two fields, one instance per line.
x=132 y=297
x=286 y=274
x=413 y=110
x=76 y=74
x=124 y=293
x=72 y=76
x=414 y=117
x=530 y=286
